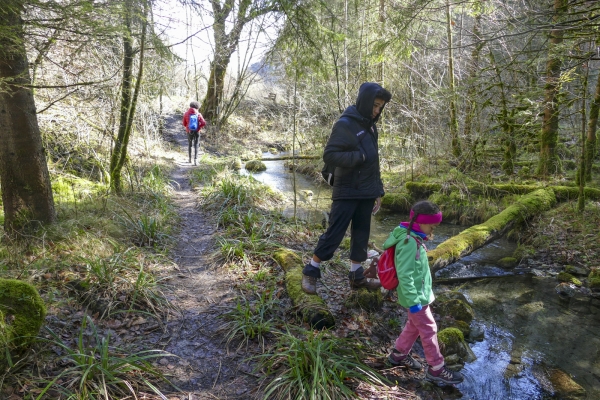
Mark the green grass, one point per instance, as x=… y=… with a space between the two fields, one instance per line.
x=313 y=366
x=94 y=369
x=120 y=282
x=250 y=320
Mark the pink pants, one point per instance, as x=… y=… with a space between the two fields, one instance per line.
x=421 y=324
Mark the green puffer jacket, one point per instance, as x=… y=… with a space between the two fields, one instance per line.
x=414 y=275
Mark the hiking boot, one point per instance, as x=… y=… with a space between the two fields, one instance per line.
x=310 y=275
x=444 y=376
x=195 y=162
x=399 y=360
x=358 y=280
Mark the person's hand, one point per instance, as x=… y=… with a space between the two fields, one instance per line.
x=416 y=308
x=377 y=205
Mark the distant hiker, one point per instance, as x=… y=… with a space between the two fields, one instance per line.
x=416 y=294
x=357 y=188
x=193 y=122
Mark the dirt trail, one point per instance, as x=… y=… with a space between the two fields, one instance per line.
x=204 y=370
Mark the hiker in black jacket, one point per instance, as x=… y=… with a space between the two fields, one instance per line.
x=357 y=188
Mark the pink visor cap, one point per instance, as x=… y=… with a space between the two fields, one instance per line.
x=427 y=218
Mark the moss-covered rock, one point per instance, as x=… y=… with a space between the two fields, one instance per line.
x=236 y=164
x=457 y=309
x=397 y=201
x=447 y=296
x=508 y=262
x=365 y=299
x=21 y=304
x=566 y=388
x=256 y=166
x=453 y=342
x=462 y=326
x=593 y=279
x=575 y=270
x=311 y=307
x=566 y=277
x=478 y=235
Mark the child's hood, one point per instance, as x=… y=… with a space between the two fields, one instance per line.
x=398 y=234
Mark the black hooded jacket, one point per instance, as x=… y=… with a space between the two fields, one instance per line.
x=352 y=148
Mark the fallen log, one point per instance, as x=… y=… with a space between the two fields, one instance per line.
x=421 y=190
x=310 y=307
x=479 y=235
x=280 y=158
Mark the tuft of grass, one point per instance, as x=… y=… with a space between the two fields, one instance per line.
x=250 y=320
x=120 y=282
x=314 y=366
x=96 y=370
x=144 y=230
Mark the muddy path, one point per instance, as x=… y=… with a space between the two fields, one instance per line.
x=203 y=368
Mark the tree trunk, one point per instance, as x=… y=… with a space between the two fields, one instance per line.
x=590 y=142
x=549 y=163
x=225 y=45
x=26 y=189
x=456 y=151
x=126 y=82
x=471 y=104
x=216 y=81
x=128 y=100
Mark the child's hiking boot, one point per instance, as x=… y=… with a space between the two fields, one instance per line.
x=358 y=280
x=310 y=275
x=444 y=376
x=399 y=360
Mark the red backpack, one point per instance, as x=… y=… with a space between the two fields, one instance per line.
x=386 y=267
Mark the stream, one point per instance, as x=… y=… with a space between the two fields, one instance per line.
x=529 y=329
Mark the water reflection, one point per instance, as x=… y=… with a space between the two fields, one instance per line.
x=496 y=374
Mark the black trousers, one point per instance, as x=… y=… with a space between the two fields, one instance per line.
x=193 y=137
x=356 y=213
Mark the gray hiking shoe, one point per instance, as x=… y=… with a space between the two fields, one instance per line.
x=399 y=360
x=309 y=284
x=444 y=376
x=310 y=275
x=358 y=280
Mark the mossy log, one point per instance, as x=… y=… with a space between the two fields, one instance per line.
x=22 y=313
x=478 y=235
x=311 y=307
x=421 y=190
x=282 y=158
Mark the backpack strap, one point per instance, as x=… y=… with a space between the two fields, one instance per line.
x=419 y=243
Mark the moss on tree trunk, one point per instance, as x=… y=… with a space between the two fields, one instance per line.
x=311 y=307
x=478 y=235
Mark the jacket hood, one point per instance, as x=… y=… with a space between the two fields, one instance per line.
x=398 y=234
x=366 y=98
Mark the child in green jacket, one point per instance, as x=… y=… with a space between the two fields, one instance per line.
x=415 y=293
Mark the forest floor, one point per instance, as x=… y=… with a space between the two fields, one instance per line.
x=205 y=367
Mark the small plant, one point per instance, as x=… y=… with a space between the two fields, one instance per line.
x=96 y=370
x=119 y=282
x=393 y=323
x=250 y=320
x=314 y=366
x=145 y=230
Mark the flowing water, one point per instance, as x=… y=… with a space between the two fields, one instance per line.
x=529 y=329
